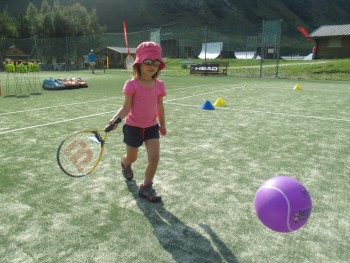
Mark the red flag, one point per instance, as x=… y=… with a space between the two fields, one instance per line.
x=126 y=37
x=304 y=32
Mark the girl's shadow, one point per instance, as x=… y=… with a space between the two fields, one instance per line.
x=184 y=243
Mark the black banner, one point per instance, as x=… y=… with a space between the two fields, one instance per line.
x=204 y=68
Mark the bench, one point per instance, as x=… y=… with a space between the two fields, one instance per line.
x=215 y=68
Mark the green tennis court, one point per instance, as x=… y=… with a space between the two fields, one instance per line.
x=212 y=163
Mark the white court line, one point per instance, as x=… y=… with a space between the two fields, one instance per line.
x=56 y=122
x=97 y=114
x=285 y=88
x=271 y=113
x=84 y=102
x=57 y=106
x=186 y=105
x=88 y=116
x=201 y=94
x=190 y=87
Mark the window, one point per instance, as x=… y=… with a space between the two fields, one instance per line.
x=334 y=42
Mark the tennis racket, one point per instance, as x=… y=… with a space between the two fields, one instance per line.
x=129 y=61
x=79 y=153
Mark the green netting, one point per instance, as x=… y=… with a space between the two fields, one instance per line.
x=271 y=34
x=180 y=41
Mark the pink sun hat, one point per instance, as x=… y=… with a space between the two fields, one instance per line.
x=151 y=50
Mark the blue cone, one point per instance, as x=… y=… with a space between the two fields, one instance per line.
x=207 y=106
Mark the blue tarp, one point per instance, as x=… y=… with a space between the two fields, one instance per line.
x=61 y=84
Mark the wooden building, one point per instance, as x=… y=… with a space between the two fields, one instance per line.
x=115 y=56
x=331 y=41
x=16 y=54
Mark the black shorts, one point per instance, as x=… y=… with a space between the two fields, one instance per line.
x=135 y=136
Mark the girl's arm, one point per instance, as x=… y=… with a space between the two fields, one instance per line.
x=124 y=110
x=161 y=117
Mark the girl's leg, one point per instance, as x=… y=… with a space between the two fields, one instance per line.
x=131 y=155
x=146 y=189
x=153 y=148
x=129 y=158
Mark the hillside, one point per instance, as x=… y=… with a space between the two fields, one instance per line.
x=232 y=20
x=144 y=14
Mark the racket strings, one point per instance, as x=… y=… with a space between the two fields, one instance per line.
x=129 y=61
x=79 y=152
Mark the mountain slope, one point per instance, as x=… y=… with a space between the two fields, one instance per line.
x=227 y=20
x=144 y=14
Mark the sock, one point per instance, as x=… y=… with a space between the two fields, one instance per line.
x=147 y=182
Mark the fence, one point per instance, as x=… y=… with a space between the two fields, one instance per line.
x=177 y=42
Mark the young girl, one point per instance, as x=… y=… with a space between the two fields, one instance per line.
x=143 y=111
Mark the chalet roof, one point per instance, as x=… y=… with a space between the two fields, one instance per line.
x=333 y=30
x=122 y=50
x=15 y=52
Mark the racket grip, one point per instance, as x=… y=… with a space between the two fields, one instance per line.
x=111 y=126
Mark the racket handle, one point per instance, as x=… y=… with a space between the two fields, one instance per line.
x=111 y=126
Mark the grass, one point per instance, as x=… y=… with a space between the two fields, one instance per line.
x=212 y=163
x=333 y=69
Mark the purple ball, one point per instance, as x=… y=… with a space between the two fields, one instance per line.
x=283 y=204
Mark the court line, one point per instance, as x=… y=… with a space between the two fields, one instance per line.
x=170 y=101
x=84 y=102
x=201 y=94
x=271 y=113
x=93 y=115
x=57 y=106
x=169 y=91
x=285 y=88
x=56 y=122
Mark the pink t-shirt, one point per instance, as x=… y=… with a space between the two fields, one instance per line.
x=144 y=108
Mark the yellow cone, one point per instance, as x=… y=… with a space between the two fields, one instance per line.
x=220 y=103
x=297 y=87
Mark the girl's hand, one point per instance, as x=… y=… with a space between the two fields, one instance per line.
x=111 y=121
x=162 y=130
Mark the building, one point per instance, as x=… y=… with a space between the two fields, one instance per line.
x=115 y=56
x=332 y=41
x=16 y=54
